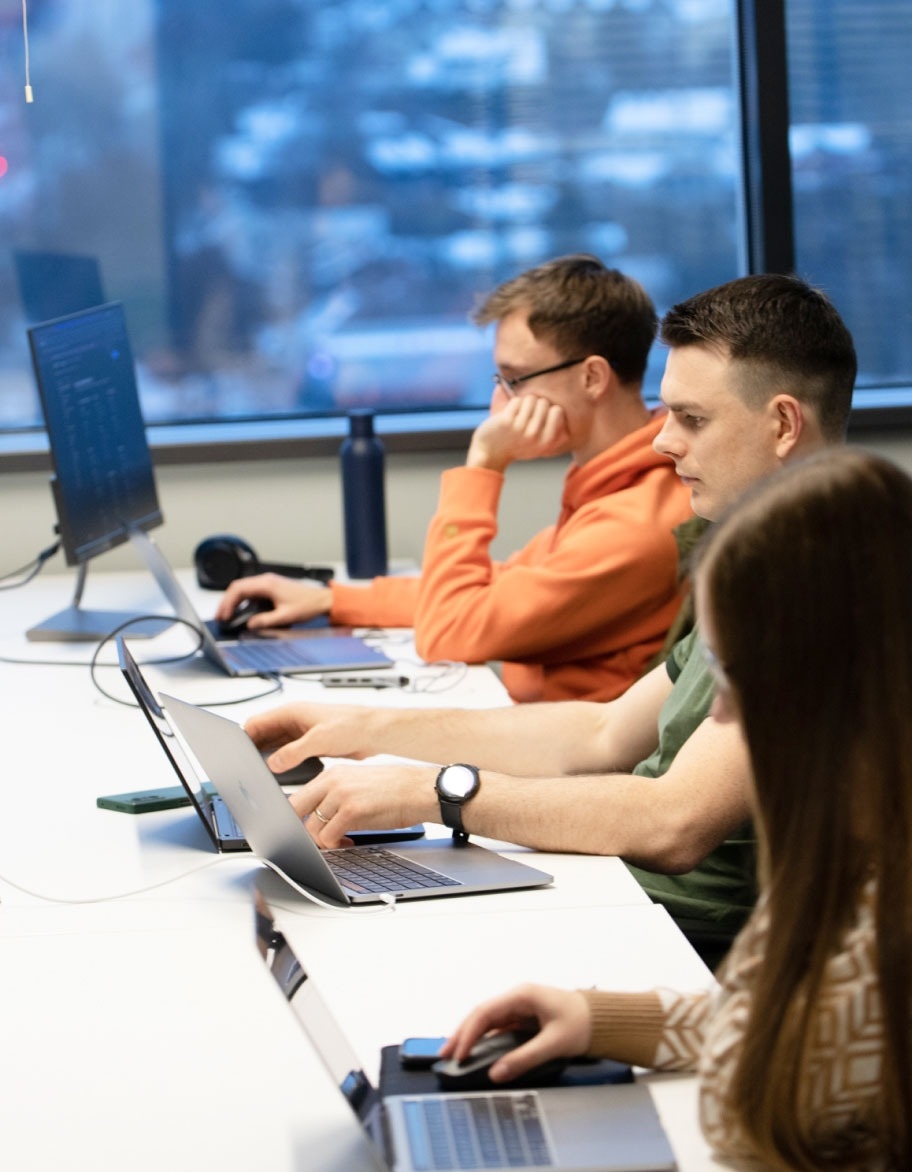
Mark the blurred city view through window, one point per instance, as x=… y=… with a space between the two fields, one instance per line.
x=300 y=201
x=851 y=149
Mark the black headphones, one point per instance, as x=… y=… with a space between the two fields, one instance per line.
x=222 y=558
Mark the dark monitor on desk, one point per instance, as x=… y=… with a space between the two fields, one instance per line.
x=52 y=284
x=103 y=480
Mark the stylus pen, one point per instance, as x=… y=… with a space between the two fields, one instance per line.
x=353 y=681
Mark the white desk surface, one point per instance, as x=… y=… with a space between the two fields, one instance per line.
x=144 y=1032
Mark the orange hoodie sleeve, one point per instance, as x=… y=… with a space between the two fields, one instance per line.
x=597 y=580
x=384 y=602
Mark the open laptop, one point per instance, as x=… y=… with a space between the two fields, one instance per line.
x=258 y=655
x=215 y=816
x=350 y=875
x=609 y=1128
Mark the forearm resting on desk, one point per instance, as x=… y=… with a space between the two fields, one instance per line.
x=637 y=818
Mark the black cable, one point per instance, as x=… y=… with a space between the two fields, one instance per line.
x=106 y=639
x=30 y=569
x=94 y=664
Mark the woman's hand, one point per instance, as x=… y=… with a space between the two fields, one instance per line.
x=560 y=1016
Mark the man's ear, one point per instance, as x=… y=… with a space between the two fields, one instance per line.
x=789 y=421
x=599 y=377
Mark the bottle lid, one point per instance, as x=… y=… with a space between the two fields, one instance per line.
x=361 y=423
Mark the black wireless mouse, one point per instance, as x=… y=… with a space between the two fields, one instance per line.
x=242 y=613
x=472 y=1073
x=304 y=771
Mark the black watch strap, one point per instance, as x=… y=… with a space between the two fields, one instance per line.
x=451 y=804
x=451 y=813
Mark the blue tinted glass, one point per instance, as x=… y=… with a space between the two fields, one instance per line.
x=851 y=144
x=299 y=201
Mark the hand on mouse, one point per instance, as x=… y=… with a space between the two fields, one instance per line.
x=560 y=1016
x=292 y=601
x=245 y=610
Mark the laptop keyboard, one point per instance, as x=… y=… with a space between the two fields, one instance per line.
x=269 y=655
x=479 y=1131
x=371 y=868
x=331 y=653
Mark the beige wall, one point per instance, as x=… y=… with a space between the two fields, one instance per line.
x=292 y=511
x=288 y=510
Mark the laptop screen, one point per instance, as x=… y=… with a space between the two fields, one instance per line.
x=314 y=1015
x=104 y=480
x=156 y=717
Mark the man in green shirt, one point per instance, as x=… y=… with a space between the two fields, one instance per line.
x=760 y=372
x=711 y=901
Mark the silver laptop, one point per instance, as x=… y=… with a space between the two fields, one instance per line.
x=258 y=655
x=350 y=875
x=611 y=1128
x=215 y=816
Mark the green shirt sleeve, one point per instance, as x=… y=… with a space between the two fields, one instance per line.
x=720 y=891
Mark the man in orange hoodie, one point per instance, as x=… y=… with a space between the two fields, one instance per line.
x=579 y=611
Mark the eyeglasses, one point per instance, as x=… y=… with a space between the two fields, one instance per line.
x=718 y=670
x=510 y=384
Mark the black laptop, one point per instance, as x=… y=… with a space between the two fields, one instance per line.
x=215 y=816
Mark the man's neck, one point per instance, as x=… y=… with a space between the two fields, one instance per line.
x=626 y=414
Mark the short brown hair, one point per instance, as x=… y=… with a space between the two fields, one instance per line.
x=581 y=308
x=787 y=336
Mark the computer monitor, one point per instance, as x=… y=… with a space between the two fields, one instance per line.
x=103 y=480
x=52 y=284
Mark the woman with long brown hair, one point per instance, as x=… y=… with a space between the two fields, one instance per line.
x=804 y=601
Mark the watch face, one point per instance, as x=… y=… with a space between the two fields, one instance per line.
x=458 y=780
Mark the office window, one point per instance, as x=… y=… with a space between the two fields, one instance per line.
x=851 y=145
x=298 y=201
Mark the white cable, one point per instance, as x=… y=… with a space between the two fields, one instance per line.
x=122 y=894
x=441 y=676
x=29 y=96
x=387 y=900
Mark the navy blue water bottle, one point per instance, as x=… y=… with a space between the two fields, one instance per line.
x=363 y=498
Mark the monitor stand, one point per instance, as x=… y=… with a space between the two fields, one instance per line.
x=75 y=625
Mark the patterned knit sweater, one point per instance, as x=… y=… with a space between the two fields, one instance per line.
x=702 y=1032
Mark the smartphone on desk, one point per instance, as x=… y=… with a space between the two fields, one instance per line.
x=419 y=1053
x=398 y=834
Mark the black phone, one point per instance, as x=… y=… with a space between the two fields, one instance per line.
x=397 y=834
x=419 y=1053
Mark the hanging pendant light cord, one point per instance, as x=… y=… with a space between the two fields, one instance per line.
x=29 y=96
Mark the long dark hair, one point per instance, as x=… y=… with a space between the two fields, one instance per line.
x=808 y=585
